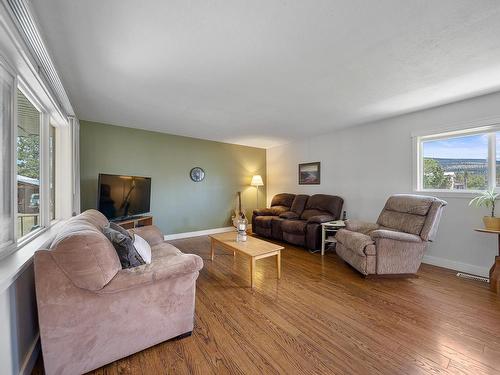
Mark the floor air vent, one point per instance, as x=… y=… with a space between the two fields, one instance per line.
x=473 y=277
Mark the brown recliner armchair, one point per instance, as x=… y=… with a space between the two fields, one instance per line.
x=262 y=217
x=395 y=244
x=305 y=229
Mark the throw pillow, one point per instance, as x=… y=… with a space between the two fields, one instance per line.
x=124 y=246
x=120 y=229
x=143 y=248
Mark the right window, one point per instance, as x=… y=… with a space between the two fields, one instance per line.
x=467 y=160
x=458 y=163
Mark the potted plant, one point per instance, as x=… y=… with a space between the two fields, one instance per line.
x=487 y=199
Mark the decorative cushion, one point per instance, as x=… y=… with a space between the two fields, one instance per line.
x=120 y=229
x=124 y=246
x=142 y=248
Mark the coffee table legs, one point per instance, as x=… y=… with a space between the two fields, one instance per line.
x=252 y=262
x=252 y=271
x=278 y=264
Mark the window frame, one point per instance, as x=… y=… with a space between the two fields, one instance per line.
x=489 y=127
x=42 y=210
x=11 y=246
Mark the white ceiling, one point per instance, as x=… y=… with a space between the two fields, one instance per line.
x=265 y=72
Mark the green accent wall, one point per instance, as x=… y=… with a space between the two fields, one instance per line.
x=177 y=203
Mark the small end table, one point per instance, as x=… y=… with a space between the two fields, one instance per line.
x=495 y=268
x=328 y=231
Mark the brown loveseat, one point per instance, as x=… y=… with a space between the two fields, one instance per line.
x=92 y=312
x=301 y=224
x=395 y=244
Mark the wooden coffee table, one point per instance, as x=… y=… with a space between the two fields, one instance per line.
x=253 y=248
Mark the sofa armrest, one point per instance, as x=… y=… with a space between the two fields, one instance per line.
x=151 y=233
x=318 y=219
x=160 y=270
x=360 y=226
x=393 y=235
x=264 y=212
x=289 y=215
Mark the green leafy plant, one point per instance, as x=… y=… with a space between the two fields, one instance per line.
x=486 y=199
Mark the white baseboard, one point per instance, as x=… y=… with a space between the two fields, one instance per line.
x=458 y=266
x=31 y=357
x=198 y=233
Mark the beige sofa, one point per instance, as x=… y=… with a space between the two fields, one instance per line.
x=92 y=312
x=395 y=244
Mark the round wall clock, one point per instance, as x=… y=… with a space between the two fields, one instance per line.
x=197 y=174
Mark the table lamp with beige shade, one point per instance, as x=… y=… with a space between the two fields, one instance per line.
x=257 y=181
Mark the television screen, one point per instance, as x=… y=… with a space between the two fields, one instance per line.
x=123 y=196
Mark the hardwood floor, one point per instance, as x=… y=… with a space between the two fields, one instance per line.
x=323 y=318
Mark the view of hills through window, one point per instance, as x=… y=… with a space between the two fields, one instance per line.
x=458 y=163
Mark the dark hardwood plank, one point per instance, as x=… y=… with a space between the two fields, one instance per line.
x=323 y=318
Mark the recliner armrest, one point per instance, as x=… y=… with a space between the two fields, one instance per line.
x=360 y=226
x=151 y=233
x=393 y=235
x=161 y=269
x=320 y=219
x=263 y=212
x=289 y=215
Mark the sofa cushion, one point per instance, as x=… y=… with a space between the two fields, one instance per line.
x=83 y=253
x=87 y=258
x=283 y=199
x=163 y=250
x=294 y=226
x=299 y=203
x=289 y=215
x=264 y=221
x=405 y=212
x=354 y=241
x=400 y=221
x=151 y=233
x=89 y=220
x=320 y=219
x=409 y=204
x=322 y=204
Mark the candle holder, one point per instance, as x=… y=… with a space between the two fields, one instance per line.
x=241 y=229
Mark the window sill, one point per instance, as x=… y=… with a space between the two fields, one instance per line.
x=449 y=193
x=14 y=264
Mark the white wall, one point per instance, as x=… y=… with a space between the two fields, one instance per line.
x=367 y=163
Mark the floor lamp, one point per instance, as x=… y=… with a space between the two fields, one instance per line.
x=257 y=181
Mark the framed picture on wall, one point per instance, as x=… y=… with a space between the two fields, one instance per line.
x=310 y=173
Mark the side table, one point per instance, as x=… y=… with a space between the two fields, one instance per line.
x=328 y=231
x=495 y=268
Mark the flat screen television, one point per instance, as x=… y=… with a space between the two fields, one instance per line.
x=121 y=197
